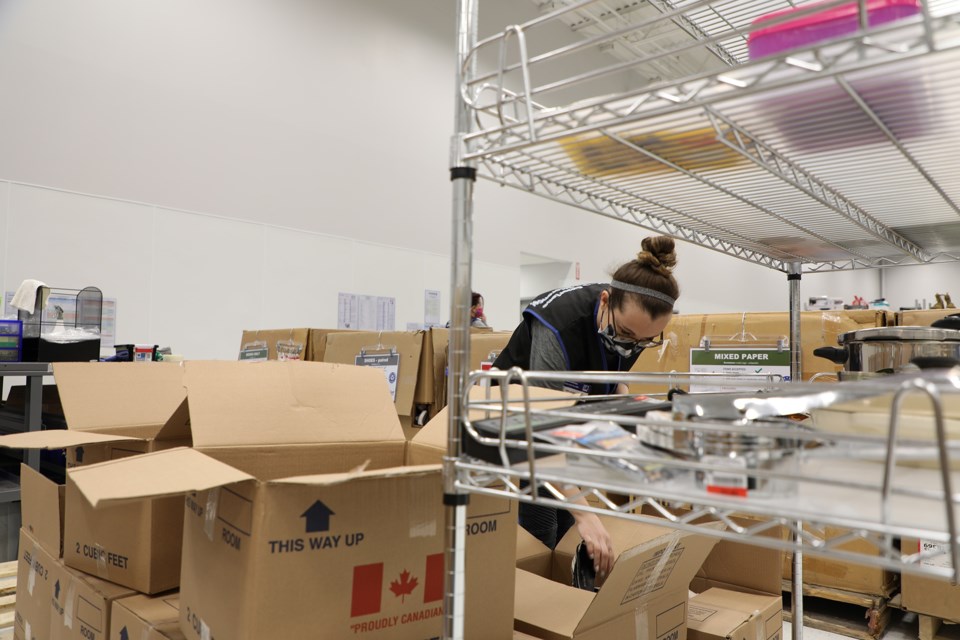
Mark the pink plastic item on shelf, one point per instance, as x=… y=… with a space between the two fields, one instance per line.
x=822 y=25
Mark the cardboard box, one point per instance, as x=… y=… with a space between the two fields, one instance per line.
x=922 y=318
x=279 y=505
x=817 y=329
x=114 y=410
x=344 y=348
x=432 y=386
x=719 y=614
x=41 y=510
x=848 y=576
x=89 y=600
x=143 y=617
x=644 y=596
x=532 y=555
x=929 y=596
x=272 y=336
x=57 y=603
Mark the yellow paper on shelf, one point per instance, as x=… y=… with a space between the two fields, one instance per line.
x=693 y=150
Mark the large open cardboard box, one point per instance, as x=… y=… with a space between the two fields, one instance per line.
x=283 y=534
x=644 y=596
x=113 y=411
x=732 y=566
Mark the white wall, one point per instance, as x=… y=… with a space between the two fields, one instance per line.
x=311 y=138
x=922 y=283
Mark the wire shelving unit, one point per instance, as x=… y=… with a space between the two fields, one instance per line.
x=835 y=155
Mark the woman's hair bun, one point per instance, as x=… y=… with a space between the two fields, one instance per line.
x=658 y=254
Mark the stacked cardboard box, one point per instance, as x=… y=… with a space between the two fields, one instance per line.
x=923 y=318
x=345 y=347
x=845 y=576
x=297 y=473
x=432 y=386
x=929 y=596
x=143 y=617
x=112 y=411
x=745 y=330
x=55 y=602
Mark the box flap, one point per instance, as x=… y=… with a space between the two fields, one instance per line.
x=152 y=475
x=58 y=439
x=533 y=555
x=282 y=403
x=649 y=570
x=328 y=479
x=41 y=509
x=542 y=605
x=435 y=432
x=130 y=398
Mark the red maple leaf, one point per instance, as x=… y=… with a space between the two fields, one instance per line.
x=405 y=586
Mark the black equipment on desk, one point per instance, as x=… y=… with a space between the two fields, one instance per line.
x=516 y=425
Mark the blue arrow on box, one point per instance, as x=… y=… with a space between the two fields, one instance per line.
x=124 y=635
x=317 y=517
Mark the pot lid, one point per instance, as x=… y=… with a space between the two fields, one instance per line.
x=926 y=334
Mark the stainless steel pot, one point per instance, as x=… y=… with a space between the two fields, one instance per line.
x=893 y=349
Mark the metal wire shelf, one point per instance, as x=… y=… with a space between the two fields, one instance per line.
x=881 y=500
x=831 y=150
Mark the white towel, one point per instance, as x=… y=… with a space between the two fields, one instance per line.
x=25 y=298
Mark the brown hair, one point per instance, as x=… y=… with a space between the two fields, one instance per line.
x=653 y=269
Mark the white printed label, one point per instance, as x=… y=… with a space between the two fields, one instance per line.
x=726 y=482
x=932 y=548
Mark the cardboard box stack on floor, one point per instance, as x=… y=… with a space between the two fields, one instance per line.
x=55 y=602
x=845 y=576
x=738 y=594
x=113 y=411
x=301 y=514
x=746 y=330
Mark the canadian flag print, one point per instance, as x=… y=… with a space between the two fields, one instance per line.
x=369 y=585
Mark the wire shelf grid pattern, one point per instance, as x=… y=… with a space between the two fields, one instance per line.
x=839 y=153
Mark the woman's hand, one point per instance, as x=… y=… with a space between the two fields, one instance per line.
x=598 y=542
